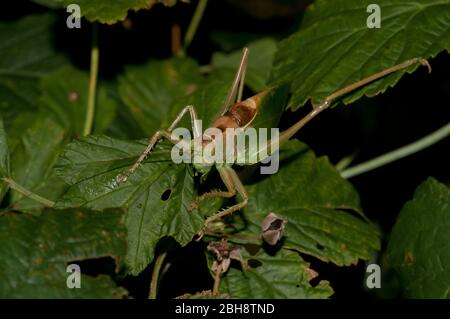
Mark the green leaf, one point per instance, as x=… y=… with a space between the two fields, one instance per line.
x=284 y=275
x=228 y=40
x=259 y=64
x=107 y=11
x=26 y=55
x=91 y=166
x=4 y=160
x=322 y=209
x=335 y=48
x=207 y=101
x=65 y=98
x=418 y=247
x=272 y=103
x=32 y=162
x=36 y=251
x=149 y=91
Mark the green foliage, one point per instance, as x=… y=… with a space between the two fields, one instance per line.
x=64 y=97
x=285 y=275
x=32 y=162
x=149 y=91
x=4 y=160
x=418 y=246
x=43 y=99
x=39 y=249
x=91 y=166
x=309 y=193
x=335 y=48
x=26 y=56
x=106 y=11
x=259 y=64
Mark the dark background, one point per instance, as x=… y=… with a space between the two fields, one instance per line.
x=417 y=106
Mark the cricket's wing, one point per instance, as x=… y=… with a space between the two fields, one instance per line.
x=269 y=104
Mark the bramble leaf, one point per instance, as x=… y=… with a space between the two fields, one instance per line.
x=27 y=54
x=158 y=196
x=150 y=91
x=418 y=247
x=32 y=163
x=106 y=11
x=335 y=47
x=65 y=95
x=36 y=251
x=261 y=56
x=284 y=275
x=322 y=210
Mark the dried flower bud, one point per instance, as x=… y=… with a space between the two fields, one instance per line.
x=272 y=228
x=224 y=253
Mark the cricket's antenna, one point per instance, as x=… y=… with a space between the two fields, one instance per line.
x=238 y=82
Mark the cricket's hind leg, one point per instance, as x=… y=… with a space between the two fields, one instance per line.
x=234 y=185
x=163 y=134
x=228 y=181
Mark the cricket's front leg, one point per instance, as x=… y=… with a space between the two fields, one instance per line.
x=233 y=184
x=163 y=134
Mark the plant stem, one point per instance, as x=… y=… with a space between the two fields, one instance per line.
x=216 y=283
x=193 y=26
x=22 y=190
x=345 y=162
x=404 y=151
x=155 y=276
x=92 y=82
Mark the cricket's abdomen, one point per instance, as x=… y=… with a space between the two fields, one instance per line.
x=240 y=114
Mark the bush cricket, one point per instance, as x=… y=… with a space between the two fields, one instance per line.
x=241 y=114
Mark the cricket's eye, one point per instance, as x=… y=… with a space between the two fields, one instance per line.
x=165 y=196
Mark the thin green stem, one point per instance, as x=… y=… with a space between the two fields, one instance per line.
x=397 y=154
x=155 y=276
x=345 y=162
x=92 y=82
x=22 y=190
x=193 y=26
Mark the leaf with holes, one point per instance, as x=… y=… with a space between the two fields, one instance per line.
x=322 y=210
x=65 y=96
x=418 y=247
x=158 y=196
x=284 y=275
x=335 y=47
x=36 y=251
x=150 y=91
x=27 y=54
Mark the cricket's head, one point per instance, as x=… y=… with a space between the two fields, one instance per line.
x=203 y=160
x=203 y=168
